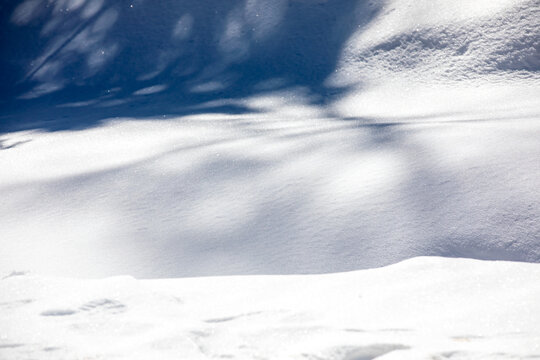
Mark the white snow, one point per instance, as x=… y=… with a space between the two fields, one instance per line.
x=424 y=308
x=286 y=191
x=400 y=194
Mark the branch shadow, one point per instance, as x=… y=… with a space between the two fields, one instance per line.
x=73 y=64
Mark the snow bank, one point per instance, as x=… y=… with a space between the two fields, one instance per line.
x=424 y=308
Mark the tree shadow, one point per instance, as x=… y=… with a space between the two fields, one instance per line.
x=74 y=63
x=5 y=146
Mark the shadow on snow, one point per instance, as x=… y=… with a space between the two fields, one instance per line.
x=72 y=64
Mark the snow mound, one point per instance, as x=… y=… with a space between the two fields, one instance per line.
x=424 y=308
x=423 y=42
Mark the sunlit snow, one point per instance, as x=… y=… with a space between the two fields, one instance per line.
x=251 y=179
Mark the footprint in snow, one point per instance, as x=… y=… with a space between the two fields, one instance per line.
x=365 y=352
x=10 y=346
x=104 y=305
x=16 y=303
x=230 y=318
x=58 y=312
x=96 y=306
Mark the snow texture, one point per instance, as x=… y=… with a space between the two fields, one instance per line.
x=424 y=308
x=251 y=137
x=169 y=139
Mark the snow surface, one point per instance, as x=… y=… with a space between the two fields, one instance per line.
x=423 y=308
x=419 y=136
x=210 y=138
x=273 y=193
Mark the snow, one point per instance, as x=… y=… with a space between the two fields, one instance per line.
x=292 y=179
x=274 y=191
x=423 y=308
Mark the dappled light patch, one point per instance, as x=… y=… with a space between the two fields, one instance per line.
x=113 y=103
x=42 y=89
x=271 y=84
x=78 y=104
x=233 y=43
x=92 y=8
x=207 y=87
x=150 y=90
x=264 y=18
x=27 y=11
x=183 y=28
